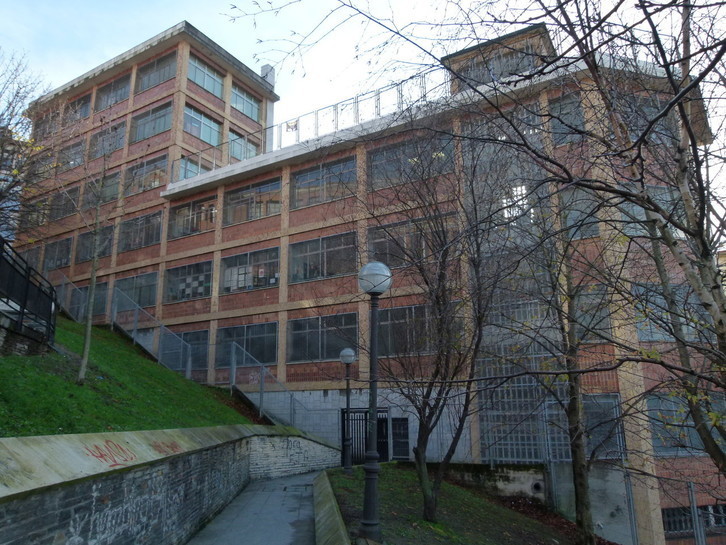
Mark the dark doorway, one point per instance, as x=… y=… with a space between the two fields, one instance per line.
x=359 y=431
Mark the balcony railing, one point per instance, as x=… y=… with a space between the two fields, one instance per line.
x=387 y=101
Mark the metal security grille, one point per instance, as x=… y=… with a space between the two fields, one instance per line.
x=359 y=432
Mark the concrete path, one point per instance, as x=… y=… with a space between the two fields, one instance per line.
x=275 y=512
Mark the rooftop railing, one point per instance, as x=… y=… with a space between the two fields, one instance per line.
x=386 y=101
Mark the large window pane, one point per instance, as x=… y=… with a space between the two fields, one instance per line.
x=139 y=232
x=112 y=93
x=202 y=126
x=193 y=217
x=205 y=76
x=321 y=337
x=410 y=161
x=101 y=191
x=57 y=254
x=188 y=282
x=84 y=246
x=107 y=141
x=245 y=102
x=252 y=202
x=145 y=175
x=156 y=72
x=319 y=258
x=257 y=341
x=151 y=123
x=251 y=270
x=141 y=288
x=324 y=182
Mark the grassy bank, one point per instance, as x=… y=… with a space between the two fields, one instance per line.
x=466 y=517
x=124 y=391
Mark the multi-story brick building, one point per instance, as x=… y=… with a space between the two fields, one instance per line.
x=247 y=251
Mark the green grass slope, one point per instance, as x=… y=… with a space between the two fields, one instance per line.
x=465 y=516
x=124 y=391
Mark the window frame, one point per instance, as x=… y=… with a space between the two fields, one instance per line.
x=196 y=216
x=112 y=93
x=155 y=72
x=151 y=175
x=326 y=249
x=106 y=141
x=251 y=197
x=175 y=294
x=267 y=259
x=204 y=75
x=151 y=122
x=142 y=230
x=245 y=103
x=250 y=335
x=140 y=290
x=340 y=174
x=202 y=126
x=321 y=330
x=85 y=242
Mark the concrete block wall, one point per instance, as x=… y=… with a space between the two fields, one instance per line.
x=129 y=488
x=318 y=413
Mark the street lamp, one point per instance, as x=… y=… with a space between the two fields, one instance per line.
x=347 y=356
x=374 y=278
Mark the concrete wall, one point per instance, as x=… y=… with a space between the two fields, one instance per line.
x=318 y=412
x=139 y=487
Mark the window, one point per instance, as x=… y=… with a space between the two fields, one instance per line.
x=101 y=191
x=188 y=282
x=141 y=289
x=603 y=428
x=412 y=160
x=501 y=65
x=71 y=156
x=592 y=315
x=672 y=426
x=250 y=271
x=205 y=76
x=139 y=232
x=567 y=122
x=150 y=123
x=57 y=254
x=156 y=72
x=634 y=216
x=193 y=217
x=190 y=167
x=246 y=103
x=64 y=203
x=405 y=330
x=202 y=126
x=112 y=93
x=174 y=353
x=241 y=148
x=638 y=112
x=654 y=322
x=258 y=344
x=322 y=257
x=107 y=141
x=31 y=256
x=579 y=211
x=399 y=433
x=405 y=243
x=84 y=246
x=324 y=182
x=252 y=202
x=322 y=337
x=79 y=301
x=677 y=521
x=78 y=109
x=146 y=175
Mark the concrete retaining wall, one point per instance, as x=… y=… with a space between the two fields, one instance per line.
x=139 y=487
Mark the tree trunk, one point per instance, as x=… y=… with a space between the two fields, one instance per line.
x=91 y=296
x=428 y=492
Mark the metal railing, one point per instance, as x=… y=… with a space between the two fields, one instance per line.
x=392 y=99
x=27 y=299
x=286 y=409
x=145 y=330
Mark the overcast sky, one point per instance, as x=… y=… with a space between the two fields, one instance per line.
x=63 y=39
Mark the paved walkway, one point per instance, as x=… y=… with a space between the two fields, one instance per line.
x=275 y=512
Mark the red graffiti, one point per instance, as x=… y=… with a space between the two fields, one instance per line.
x=162 y=447
x=111 y=454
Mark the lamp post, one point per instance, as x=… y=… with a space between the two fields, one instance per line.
x=374 y=278
x=347 y=356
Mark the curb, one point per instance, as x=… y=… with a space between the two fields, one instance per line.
x=329 y=526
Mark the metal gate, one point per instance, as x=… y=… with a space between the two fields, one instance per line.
x=359 y=431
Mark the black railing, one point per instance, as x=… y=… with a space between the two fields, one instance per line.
x=27 y=299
